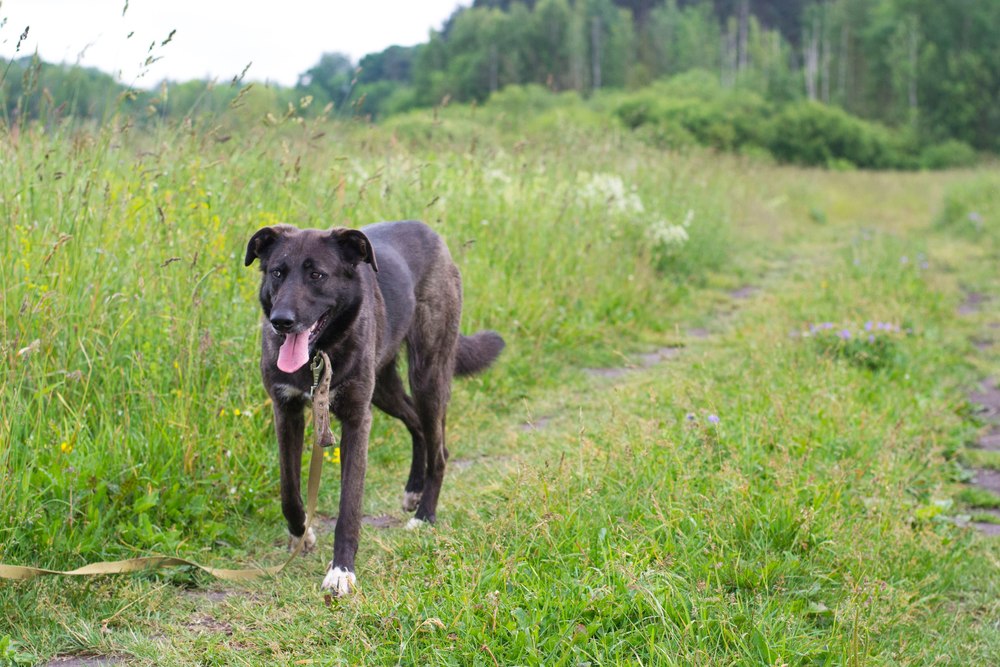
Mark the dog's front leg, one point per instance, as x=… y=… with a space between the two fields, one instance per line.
x=290 y=424
x=340 y=578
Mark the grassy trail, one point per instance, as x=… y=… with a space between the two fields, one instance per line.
x=782 y=486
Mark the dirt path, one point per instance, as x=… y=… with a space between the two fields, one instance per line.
x=207 y=618
x=986 y=399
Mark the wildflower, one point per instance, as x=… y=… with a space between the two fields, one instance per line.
x=610 y=189
x=689 y=416
x=868 y=325
x=669 y=236
x=496 y=176
x=975 y=217
x=65 y=447
x=333 y=456
x=844 y=334
x=236 y=412
x=714 y=419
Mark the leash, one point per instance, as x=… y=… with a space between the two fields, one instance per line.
x=322 y=437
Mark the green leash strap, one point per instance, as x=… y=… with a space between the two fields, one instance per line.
x=321 y=416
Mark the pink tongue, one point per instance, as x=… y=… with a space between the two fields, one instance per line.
x=294 y=352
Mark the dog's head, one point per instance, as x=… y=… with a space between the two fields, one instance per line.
x=310 y=278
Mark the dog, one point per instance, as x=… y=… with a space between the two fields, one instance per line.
x=359 y=295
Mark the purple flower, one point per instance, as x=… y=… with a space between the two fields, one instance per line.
x=844 y=334
x=868 y=325
x=713 y=419
x=689 y=416
x=827 y=325
x=975 y=217
x=871 y=338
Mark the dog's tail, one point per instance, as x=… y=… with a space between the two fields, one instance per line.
x=477 y=352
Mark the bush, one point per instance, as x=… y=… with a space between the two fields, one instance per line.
x=948 y=154
x=814 y=134
x=695 y=107
x=528 y=100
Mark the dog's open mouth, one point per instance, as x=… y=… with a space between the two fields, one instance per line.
x=294 y=351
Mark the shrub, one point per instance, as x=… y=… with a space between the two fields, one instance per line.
x=528 y=100
x=814 y=134
x=686 y=108
x=948 y=154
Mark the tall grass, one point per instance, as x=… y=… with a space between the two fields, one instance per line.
x=132 y=418
x=770 y=497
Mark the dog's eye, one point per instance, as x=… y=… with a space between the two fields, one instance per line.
x=276 y=273
x=316 y=275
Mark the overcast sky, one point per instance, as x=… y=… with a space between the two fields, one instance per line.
x=214 y=38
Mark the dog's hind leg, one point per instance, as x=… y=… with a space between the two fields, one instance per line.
x=432 y=345
x=390 y=397
x=431 y=391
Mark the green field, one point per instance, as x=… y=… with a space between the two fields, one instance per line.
x=784 y=483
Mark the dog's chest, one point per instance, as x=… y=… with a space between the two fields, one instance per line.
x=289 y=392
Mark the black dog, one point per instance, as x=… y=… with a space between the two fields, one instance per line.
x=325 y=290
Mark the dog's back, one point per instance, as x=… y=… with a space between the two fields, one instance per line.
x=416 y=269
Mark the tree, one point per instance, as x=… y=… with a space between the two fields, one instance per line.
x=332 y=79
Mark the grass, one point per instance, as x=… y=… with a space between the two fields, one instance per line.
x=774 y=494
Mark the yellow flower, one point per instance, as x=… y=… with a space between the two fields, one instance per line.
x=66 y=447
x=236 y=412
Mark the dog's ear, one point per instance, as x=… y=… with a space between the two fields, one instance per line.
x=355 y=246
x=259 y=244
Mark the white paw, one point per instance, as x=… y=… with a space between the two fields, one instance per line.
x=411 y=499
x=416 y=524
x=339 y=581
x=310 y=541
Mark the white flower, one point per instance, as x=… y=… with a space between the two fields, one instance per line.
x=609 y=189
x=662 y=233
x=496 y=176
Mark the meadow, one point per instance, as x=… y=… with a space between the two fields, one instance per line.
x=782 y=482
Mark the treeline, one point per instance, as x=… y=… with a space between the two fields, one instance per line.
x=930 y=65
x=909 y=75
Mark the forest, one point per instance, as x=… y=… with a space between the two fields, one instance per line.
x=869 y=83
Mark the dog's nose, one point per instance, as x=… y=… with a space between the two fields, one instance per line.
x=282 y=321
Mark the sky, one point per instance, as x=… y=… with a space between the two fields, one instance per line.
x=214 y=39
